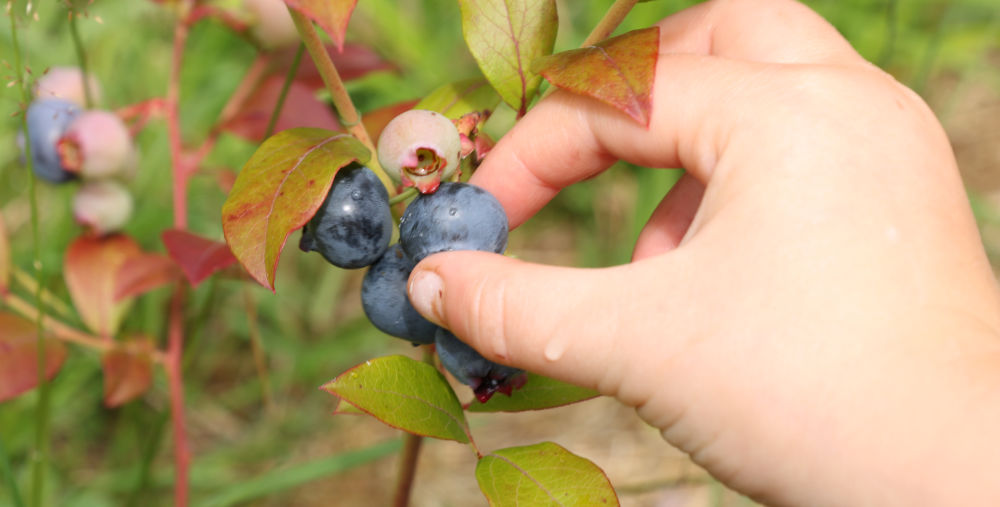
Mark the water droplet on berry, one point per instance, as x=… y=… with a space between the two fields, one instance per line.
x=452 y=211
x=356 y=195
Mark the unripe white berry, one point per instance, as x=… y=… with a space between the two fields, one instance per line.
x=67 y=83
x=97 y=145
x=103 y=206
x=420 y=148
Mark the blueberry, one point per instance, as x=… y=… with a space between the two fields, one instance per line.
x=353 y=226
x=47 y=120
x=472 y=369
x=458 y=216
x=384 y=299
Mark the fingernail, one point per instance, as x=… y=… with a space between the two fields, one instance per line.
x=426 y=290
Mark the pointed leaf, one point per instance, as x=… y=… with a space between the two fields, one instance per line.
x=143 y=273
x=405 y=394
x=537 y=393
x=4 y=257
x=331 y=15
x=279 y=190
x=619 y=71
x=461 y=97
x=19 y=356
x=505 y=37
x=542 y=474
x=198 y=257
x=91 y=269
x=128 y=371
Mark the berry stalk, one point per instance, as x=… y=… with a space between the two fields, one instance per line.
x=349 y=115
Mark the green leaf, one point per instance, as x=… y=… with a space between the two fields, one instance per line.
x=537 y=393
x=405 y=394
x=505 y=37
x=331 y=15
x=279 y=189
x=619 y=71
x=461 y=97
x=542 y=474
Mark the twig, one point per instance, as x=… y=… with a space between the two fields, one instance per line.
x=81 y=57
x=175 y=380
x=349 y=115
x=289 y=77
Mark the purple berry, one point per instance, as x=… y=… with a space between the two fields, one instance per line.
x=458 y=216
x=47 y=120
x=472 y=369
x=353 y=226
x=384 y=299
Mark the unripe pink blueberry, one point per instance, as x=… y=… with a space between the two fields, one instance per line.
x=420 y=148
x=103 y=206
x=97 y=145
x=67 y=83
x=271 y=24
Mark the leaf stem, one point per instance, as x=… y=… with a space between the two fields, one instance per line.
x=54 y=303
x=81 y=57
x=607 y=25
x=289 y=78
x=349 y=115
x=61 y=331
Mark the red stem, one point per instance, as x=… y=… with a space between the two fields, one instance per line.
x=183 y=166
x=172 y=364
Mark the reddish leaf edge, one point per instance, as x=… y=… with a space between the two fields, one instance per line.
x=540 y=65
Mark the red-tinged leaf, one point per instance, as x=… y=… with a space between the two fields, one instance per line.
x=198 y=257
x=279 y=190
x=619 y=71
x=143 y=273
x=505 y=37
x=4 y=257
x=91 y=269
x=376 y=120
x=300 y=109
x=19 y=356
x=542 y=474
x=331 y=15
x=457 y=99
x=353 y=62
x=128 y=371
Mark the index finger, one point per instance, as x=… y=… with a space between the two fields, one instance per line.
x=568 y=138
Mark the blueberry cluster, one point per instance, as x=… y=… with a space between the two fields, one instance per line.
x=352 y=229
x=68 y=143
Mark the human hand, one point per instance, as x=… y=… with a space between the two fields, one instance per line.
x=809 y=312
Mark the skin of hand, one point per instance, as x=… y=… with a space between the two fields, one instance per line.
x=809 y=313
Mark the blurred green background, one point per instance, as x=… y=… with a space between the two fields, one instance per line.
x=273 y=441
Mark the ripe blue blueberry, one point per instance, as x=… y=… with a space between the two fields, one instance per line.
x=48 y=119
x=353 y=226
x=384 y=299
x=472 y=369
x=458 y=216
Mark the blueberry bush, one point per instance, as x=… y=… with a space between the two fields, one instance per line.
x=160 y=154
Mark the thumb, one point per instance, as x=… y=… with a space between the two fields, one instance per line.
x=565 y=323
